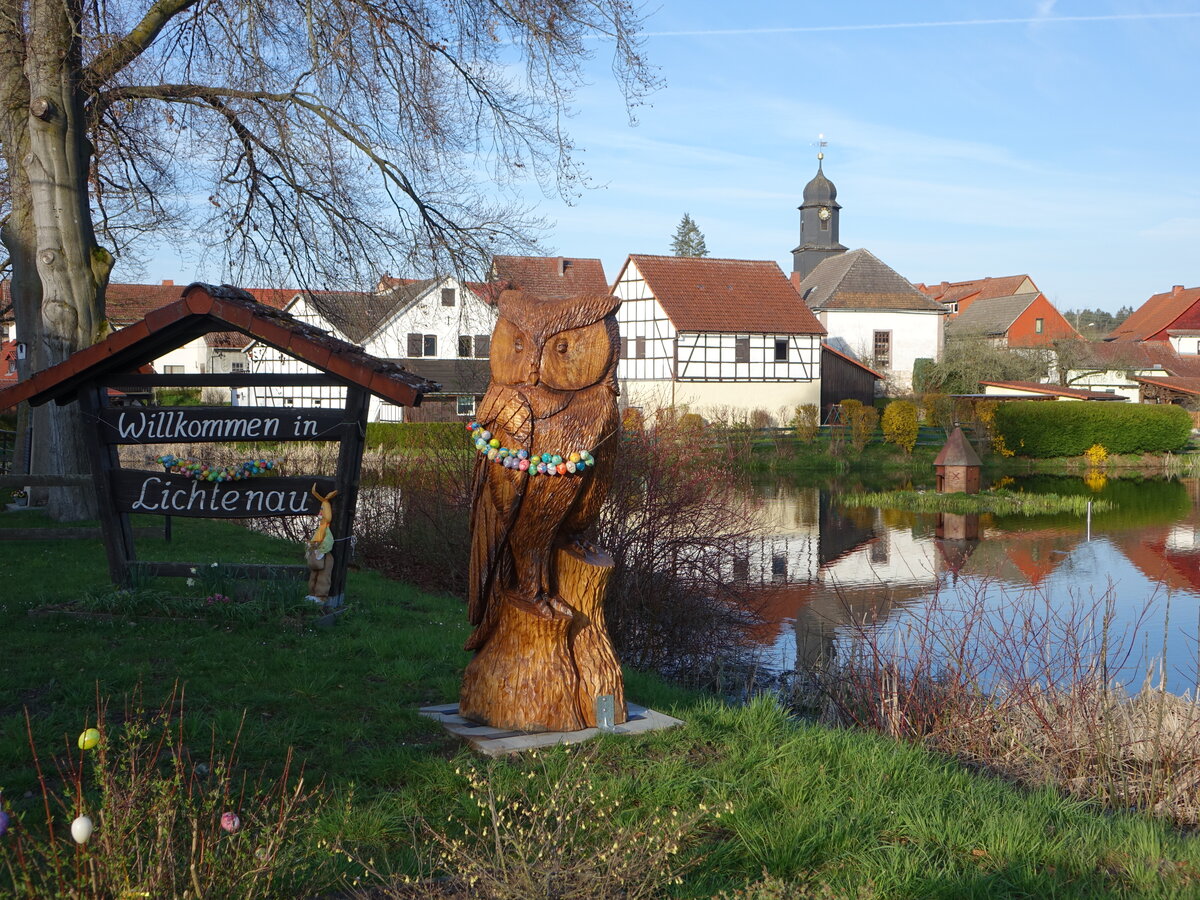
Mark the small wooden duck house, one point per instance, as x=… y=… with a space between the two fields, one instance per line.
x=957 y=466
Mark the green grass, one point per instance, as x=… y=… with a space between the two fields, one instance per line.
x=812 y=806
x=1000 y=502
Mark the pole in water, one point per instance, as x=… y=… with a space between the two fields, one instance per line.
x=1089 y=520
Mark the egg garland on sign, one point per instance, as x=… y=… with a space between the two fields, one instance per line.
x=575 y=462
x=190 y=468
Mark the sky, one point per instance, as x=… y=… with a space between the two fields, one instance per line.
x=1054 y=138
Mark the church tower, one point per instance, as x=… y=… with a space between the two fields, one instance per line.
x=818 y=224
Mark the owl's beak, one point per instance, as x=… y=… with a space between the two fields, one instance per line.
x=532 y=377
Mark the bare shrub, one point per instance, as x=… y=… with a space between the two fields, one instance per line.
x=807 y=422
x=673 y=522
x=166 y=823
x=1026 y=690
x=549 y=834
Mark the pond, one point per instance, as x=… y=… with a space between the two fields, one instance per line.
x=1047 y=592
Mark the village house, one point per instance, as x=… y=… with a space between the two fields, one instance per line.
x=1153 y=356
x=870 y=312
x=715 y=334
x=439 y=328
x=1009 y=312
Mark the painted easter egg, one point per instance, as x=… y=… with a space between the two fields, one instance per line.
x=522 y=454
x=3 y=823
x=562 y=468
x=230 y=822
x=81 y=829
x=89 y=739
x=523 y=464
x=571 y=467
x=574 y=457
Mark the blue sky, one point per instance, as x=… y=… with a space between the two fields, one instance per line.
x=1056 y=138
x=1059 y=147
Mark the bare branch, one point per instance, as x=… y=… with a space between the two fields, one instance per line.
x=119 y=55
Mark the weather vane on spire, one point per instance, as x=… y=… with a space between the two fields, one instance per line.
x=820 y=143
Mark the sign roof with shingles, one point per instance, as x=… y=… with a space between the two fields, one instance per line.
x=203 y=309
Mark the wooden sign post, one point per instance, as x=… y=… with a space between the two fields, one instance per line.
x=88 y=375
x=123 y=492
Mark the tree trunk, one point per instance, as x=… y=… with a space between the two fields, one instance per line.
x=72 y=269
x=542 y=668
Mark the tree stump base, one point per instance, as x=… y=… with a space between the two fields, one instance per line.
x=544 y=664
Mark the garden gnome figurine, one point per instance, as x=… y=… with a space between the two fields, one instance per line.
x=318 y=552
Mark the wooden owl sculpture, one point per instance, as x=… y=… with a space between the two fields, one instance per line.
x=546 y=434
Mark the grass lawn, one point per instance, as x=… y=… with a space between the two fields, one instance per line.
x=822 y=813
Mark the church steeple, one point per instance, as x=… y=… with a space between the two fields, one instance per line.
x=819 y=214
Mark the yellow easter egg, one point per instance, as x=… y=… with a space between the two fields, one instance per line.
x=89 y=739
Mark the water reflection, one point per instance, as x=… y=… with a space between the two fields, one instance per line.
x=825 y=571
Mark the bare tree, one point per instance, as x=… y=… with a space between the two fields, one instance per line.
x=314 y=141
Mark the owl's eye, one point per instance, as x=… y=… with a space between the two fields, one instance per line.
x=561 y=345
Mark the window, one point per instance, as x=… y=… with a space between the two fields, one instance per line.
x=1038 y=325
x=483 y=345
x=624 y=348
x=429 y=345
x=464 y=345
x=781 y=350
x=641 y=348
x=741 y=569
x=414 y=345
x=883 y=349
x=779 y=567
x=466 y=405
x=237 y=367
x=447 y=296
x=172 y=370
x=741 y=350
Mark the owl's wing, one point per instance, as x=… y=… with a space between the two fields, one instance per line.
x=496 y=499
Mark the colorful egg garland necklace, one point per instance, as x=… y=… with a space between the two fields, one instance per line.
x=189 y=468
x=574 y=463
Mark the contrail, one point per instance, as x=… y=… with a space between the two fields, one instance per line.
x=886 y=26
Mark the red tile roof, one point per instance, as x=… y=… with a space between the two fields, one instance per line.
x=1055 y=390
x=204 y=309
x=1156 y=314
x=1116 y=355
x=551 y=277
x=977 y=288
x=1183 y=385
x=726 y=295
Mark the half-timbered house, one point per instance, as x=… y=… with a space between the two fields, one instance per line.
x=715 y=333
x=439 y=328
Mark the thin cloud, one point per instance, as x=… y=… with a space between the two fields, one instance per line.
x=955 y=23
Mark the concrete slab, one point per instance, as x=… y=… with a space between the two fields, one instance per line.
x=499 y=742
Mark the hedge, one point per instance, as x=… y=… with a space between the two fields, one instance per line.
x=1067 y=428
x=415 y=435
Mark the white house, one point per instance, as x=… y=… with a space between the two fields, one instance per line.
x=875 y=314
x=439 y=328
x=715 y=333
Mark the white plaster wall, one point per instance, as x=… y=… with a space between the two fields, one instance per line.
x=915 y=334
x=641 y=316
x=1115 y=380
x=193 y=356
x=426 y=315
x=699 y=396
x=1185 y=344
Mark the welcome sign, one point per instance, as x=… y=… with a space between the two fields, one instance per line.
x=207 y=424
x=167 y=494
